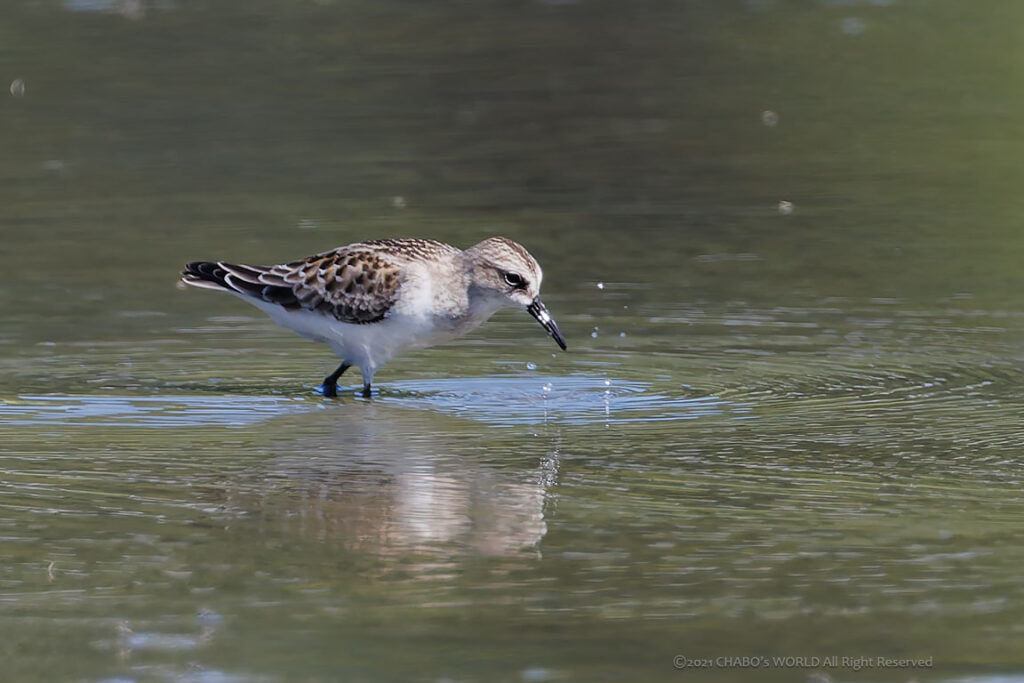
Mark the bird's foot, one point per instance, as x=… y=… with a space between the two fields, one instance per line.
x=366 y=391
x=328 y=390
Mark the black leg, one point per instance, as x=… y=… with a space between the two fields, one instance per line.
x=330 y=386
x=366 y=391
x=333 y=377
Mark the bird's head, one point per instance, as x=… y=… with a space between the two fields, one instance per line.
x=506 y=275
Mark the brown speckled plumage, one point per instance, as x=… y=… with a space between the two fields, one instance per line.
x=356 y=283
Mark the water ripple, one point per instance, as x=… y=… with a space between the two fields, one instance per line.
x=501 y=401
x=150 y=411
x=573 y=399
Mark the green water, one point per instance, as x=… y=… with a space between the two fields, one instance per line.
x=780 y=430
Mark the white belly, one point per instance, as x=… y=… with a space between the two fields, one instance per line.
x=370 y=345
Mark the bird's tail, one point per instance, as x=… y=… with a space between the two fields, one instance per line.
x=207 y=275
x=250 y=281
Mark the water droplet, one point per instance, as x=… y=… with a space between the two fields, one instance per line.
x=607 y=382
x=593 y=335
x=133 y=9
x=769 y=118
x=600 y=285
x=535 y=674
x=622 y=335
x=531 y=366
x=18 y=87
x=398 y=202
x=546 y=387
x=852 y=26
x=785 y=208
x=208 y=616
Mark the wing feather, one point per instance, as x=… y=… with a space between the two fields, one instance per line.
x=354 y=284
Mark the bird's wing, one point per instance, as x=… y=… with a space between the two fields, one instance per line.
x=353 y=284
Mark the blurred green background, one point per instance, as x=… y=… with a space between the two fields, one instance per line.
x=781 y=237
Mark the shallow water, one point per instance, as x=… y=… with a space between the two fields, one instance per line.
x=782 y=240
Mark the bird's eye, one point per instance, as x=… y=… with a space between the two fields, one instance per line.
x=515 y=280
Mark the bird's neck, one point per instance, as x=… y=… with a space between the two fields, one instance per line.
x=483 y=303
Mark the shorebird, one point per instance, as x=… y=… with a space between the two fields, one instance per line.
x=371 y=300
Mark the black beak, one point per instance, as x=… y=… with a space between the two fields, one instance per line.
x=539 y=311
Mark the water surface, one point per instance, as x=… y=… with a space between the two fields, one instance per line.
x=781 y=238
